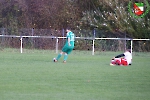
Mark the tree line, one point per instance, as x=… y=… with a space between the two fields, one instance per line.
x=108 y=15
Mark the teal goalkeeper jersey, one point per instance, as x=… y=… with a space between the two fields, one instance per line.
x=72 y=38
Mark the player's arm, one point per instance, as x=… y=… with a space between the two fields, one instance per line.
x=121 y=55
x=69 y=41
x=68 y=38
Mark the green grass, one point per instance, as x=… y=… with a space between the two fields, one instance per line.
x=33 y=76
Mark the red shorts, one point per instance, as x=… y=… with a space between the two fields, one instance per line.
x=124 y=62
x=120 y=61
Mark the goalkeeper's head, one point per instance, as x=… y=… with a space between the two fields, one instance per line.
x=129 y=50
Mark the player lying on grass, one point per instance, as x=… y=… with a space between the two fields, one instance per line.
x=124 y=59
x=68 y=47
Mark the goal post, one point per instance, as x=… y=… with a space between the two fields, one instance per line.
x=118 y=39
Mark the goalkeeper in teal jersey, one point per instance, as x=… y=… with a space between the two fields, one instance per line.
x=68 y=47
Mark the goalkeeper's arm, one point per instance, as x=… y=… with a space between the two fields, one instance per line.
x=121 y=55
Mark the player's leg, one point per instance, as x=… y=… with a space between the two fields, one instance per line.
x=69 y=50
x=58 y=57
x=124 y=62
x=118 y=61
x=60 y=54
x=115 y=61
x=65 y=57
x=112 y=63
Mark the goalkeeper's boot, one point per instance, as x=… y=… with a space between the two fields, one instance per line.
x=112 y=64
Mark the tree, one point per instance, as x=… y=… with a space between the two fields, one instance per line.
x=43 y=14
x=113 y=15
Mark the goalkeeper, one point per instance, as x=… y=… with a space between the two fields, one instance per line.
x=124 y=59
x=68 y=47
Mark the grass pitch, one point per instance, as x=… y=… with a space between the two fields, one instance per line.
x=33 y=76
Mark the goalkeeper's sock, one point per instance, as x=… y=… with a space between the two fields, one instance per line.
x=59 y=55
x=65 y=57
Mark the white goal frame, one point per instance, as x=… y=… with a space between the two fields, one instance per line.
x=57 y=40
